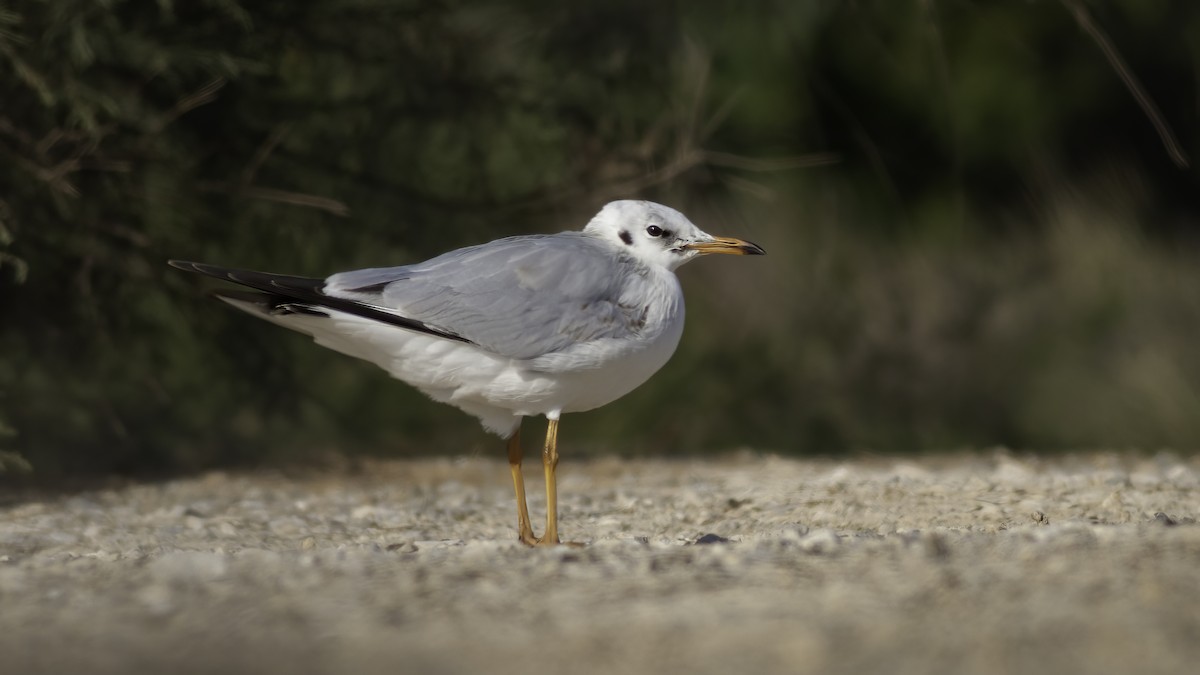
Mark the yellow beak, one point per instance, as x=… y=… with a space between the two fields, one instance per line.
x=727 y=245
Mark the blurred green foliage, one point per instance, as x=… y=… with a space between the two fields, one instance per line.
x=980 y=221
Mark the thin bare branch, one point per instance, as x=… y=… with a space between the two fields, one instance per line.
x=124 y=232
x=722 y=113
x=264 y=151
x=203 y=95
x=675 y=167
x=1084 y=19
x=326 y=204
x=752 y=188
x=54 y=176
x=698 y=64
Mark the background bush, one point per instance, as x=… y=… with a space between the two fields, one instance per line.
x=980 y=217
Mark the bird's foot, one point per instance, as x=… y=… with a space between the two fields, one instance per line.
x=544 y=542
x=531 y=541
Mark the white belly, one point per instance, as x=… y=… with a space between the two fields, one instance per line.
x=576 y=389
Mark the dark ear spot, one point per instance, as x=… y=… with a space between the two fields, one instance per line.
x=625 y=237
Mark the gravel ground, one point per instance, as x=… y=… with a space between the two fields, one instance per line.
x=968 y=564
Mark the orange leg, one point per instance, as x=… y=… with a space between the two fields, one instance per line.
x=525 y=530
x=550 y=463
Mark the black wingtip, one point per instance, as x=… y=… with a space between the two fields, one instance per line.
x=306 y=293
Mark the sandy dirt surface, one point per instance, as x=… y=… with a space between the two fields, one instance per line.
x=975 y=564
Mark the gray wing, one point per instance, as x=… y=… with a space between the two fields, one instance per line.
x=521 y=297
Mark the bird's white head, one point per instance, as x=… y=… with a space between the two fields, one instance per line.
x=659 y=235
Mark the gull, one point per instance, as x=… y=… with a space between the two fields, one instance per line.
x=518 y=327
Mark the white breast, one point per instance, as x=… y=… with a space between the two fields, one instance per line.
x=590 y=374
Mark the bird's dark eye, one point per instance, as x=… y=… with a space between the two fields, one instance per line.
x=654 y=231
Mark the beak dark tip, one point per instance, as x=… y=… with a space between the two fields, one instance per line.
x=753 y=249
